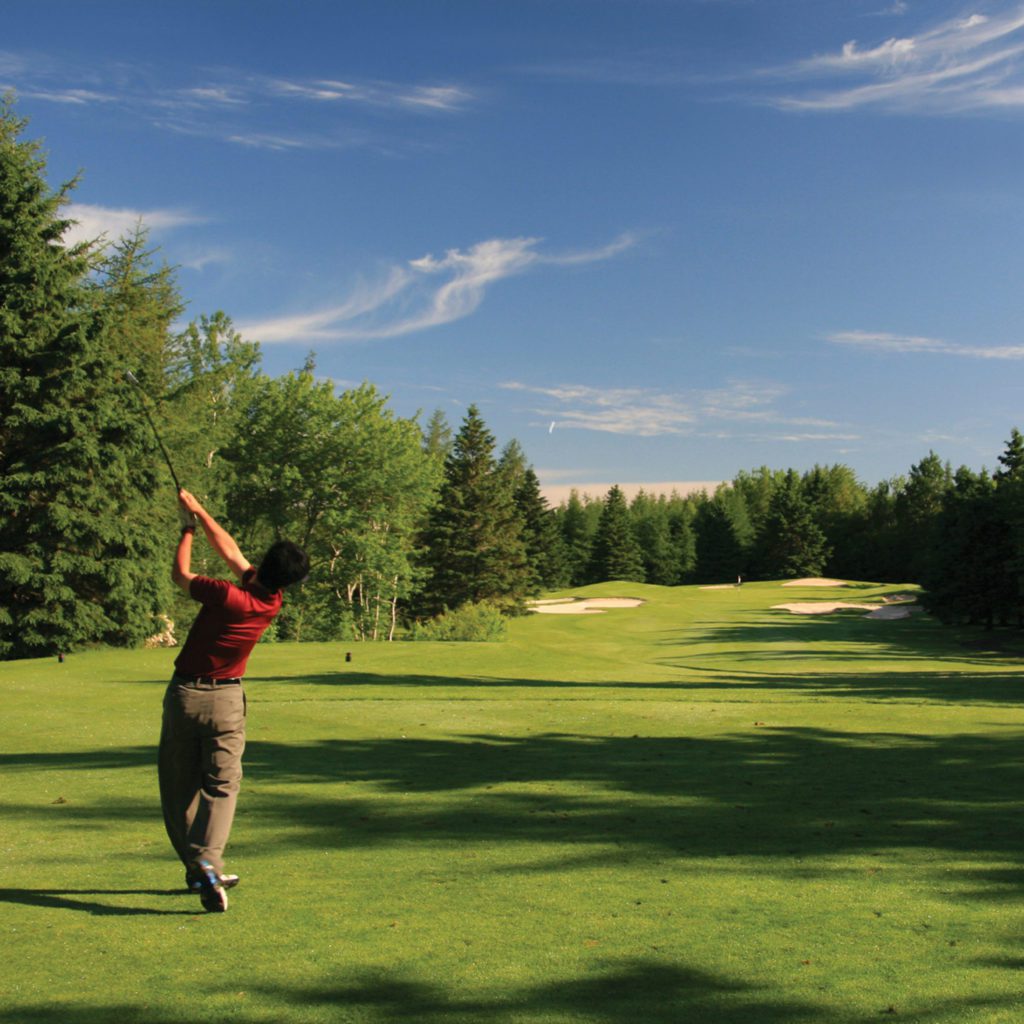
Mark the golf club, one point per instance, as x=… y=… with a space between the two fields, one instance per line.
x=174 y=476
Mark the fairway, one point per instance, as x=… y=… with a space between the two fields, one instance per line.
x=699 y=809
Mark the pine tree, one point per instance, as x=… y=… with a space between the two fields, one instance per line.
x=1009 y=499
x=967 y=575
x=793 y=543
x=652 y=529
x=474 y=538
x=837 y=501
x=682 y=514
x=76 y=565
x=437 y=436
x=875 y=550
x=512 y=465
x=615 y=554
x=545 y=551
x=577 y=529
x=724 y=537
x=918 y=507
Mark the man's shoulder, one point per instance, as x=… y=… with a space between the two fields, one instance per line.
x=209 y=590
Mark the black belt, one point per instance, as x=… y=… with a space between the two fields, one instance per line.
x=205 y=680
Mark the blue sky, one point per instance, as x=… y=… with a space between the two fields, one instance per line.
x=697 y=236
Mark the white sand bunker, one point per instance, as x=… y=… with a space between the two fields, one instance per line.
x=892 y=610
x=582 y=606
x=815 y=581
x=895 y=611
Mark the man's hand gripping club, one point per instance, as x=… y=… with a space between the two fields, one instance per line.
x=191 y=512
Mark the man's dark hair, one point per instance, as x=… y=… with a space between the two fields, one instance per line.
x=284 y=563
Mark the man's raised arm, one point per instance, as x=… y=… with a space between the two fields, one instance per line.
x=220 y=540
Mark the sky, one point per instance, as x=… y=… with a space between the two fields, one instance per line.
x=652 y=240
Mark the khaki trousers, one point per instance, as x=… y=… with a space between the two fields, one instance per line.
x=200 y=767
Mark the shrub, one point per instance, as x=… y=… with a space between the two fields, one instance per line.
x=469 y=622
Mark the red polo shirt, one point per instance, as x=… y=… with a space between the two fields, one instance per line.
x=232 y=619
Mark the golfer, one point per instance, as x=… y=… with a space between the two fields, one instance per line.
x=203 y=731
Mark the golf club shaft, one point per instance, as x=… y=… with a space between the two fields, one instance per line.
x=156 y=433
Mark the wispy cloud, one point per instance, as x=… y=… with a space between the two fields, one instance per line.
x=894 y=9
x=109 y=223
x=636 y=411
x=435 y=97
x=236 y=106
x=962 y=65
x=200 y=259
x=447 y=97
x=648 y=412
x=214 y=94
x=421 y=293
x=74 y=97
x=911 y=344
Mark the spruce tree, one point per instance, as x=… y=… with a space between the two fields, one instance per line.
x=918 y=507
x=967 y=577
x=794 y=545
x=682 y=514
x=1009 y=500
x=577 y=529
x=437 y=436
x=474 y=539
x=652 y=529
x=76 y=565
x=724 y=537
x=545 y=550
x=615 y=554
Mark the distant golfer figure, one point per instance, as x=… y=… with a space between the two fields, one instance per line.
x=203 y=731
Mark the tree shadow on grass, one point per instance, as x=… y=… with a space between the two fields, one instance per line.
x=795 y=796
x=953 y=687
x=96 y=760
x=698 y=672
x=638 y=991
x=635 y=992
x=768 y=791
x=628 y=992
x=68 y=899
x=918 y=638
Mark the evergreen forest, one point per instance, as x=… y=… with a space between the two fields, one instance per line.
x=406 y=521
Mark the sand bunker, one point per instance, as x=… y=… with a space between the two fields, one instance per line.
x=895 y=611
x=875 y=611
x=815 y=581
x=823 y=607
x=585 y=606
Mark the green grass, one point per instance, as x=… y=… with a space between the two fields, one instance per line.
x=698 y=810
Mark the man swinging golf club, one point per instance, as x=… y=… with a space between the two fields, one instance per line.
x=203 y=731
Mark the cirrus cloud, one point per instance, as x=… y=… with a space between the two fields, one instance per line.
x=109 y=223
x=731 y=411
x=881 y=341
x=960 y=65
x=420 y=294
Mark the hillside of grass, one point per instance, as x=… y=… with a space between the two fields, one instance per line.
x=698 y=809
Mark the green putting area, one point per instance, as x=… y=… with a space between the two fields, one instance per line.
x=700 y=808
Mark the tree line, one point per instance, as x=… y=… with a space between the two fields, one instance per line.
x=959 y=534
x=404 y=520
